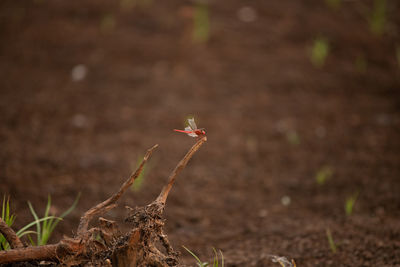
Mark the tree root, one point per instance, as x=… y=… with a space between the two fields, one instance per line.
x=144 y=245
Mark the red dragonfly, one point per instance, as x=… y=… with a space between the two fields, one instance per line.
x=192 y=129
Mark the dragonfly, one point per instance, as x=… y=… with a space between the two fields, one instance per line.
x=192 y=129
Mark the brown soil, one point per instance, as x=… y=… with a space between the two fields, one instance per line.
x=273 y=121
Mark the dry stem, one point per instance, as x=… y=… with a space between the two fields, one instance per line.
x=162 y=198
x=110 y=202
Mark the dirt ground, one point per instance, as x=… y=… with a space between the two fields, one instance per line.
x=87 y=86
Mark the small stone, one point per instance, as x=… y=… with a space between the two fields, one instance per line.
x=79 y=121
x=285 y=200
x=78 y=73
x=247 y=14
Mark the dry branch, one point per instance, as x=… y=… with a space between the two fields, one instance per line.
x=10 y=235
x=162 y=198
x=110 y=203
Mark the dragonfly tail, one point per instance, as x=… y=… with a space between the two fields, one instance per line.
x=182 y=131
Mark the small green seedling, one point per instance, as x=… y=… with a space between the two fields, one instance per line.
x=377 y=21
x=9 y=219
x=323 y=174
x=333 y=4
x=201 y=23
x=205 y=264
x=6 y=215
x=107 y=23
x=350 y=202
x=138 y=183
x=293 y=138
x=361 y=64
x=46 y=228
x=319 y=52
x=332 y=244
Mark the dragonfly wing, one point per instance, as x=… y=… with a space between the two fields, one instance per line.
x=192 y=134
x=192 y=124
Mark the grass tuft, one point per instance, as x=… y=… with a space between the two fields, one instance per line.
x=216 y=262
x=323 y=175
x=349 y=204
x=319 y=51
x=201 y=23
x=46 y=225
x=333 y=4
x=331 y=242
x=377 y=21
x=10 y=218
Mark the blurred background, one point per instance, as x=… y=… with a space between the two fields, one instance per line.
x=300 y=101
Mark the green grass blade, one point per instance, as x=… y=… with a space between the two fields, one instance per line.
x=38 y=230
x=31 y=240
x=29 y=225
x=65 y=213
x=138 y=183
x=8 y=208
x=215 y=264
x=27 y=233
x=68 y=211
x=331 y=242
x=350 y=202
x=222 y=258
x=3 y=207
x=194 y=256
x=201 y=23
x=46 y=212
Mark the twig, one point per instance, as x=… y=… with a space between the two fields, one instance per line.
x=10 y=235
x=110 y=203
x=162 y=198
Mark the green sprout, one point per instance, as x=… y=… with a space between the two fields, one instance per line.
x=44 y=228
x=319 y=52
x=334 y=4
x=5 y=212
x=293 y=137
x=361 y=64
x=205 y=264
x=350 y=202
x=201 y=23
x=377 y=21
x=138 y=183
x=9 y=219
x=332 y=244
x=323 y=174
x=107 y=23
